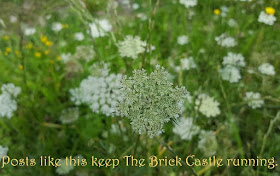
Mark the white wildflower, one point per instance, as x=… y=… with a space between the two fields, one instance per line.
x=225 y=41
x=99 y=28
x=254 y=100
x=208 y=143
x=230 y=73
x=56 y=27
x=187 y=63
x=267 y=69
x=182 y=40
x=207 y=105
x=266 y=18
x=13 y=19
x=79 y=36
x=29 y=31
x=188 y=3
x=84 y=53
x=64 y=168
x=131 y=47
x=69 y=115
x=185 y=128
x=3 y=152
x=234 y=59
x=65 y=57
x=10 y=89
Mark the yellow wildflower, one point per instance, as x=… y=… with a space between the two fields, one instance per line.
x=48 y=43
x=51 y=62
x=20 y=67
x=44 y=39
x=47 y=52
x=58 y=58
x=29 y=45
x=38 y=54
x=8 y=49
x=270 y=10
x=217 y=11
x=65 y=26
x=6 y=37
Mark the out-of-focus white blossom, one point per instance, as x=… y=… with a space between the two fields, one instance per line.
x=64 y=167
x=10 y=89
x=208 y=143
x=69 y=115
x=232 y=23
x=254 y=99
x=185 y=128
x=56 y=27
x=79 y=36
x=182 y=40
x=99 y=28
x=29 y=31
x=83 y=52
x=266 y=18
x=225 y=41
x=3 y=152
x=188 y=3
x=131 y=47
x=207 y=105
x=234 y=59
x=13 y=19
x=230 y=73
x=186 y=64
x=65 y=57
x=267 y=69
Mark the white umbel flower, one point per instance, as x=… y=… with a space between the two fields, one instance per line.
x=99 y=28
x=56 y=27
x=185 y=128
x=10 y=89
x=131 y=47
x=254 y=99
x=225 y=41
x=230 y=73
x=267 y=69
x=65 y=57
x=101 y=93
x=84 y=52
x=3 y=151
x=64 y=167
x=183 y=40
x=208 y=143
x=207 y=105
x=234 y=59
x=79 y=36
x=266 y=18
x=187 y=64
x=188 y=3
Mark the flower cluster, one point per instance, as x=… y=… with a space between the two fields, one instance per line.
x=101 y=93
x=188 y=3
x=208 y=143
x=267 y=17
x=187 y=64
x=183 y=40
x=69 y=115
x=8 y=102
x=131 y=46
x=3 y=151
x=254 y=99
x=99 y=28
x=267 y=69
x=207 y=105
x=64 y=168
x=232 y=63
x=185 y=128
x=150 y=100
x=225 y=41
x=83 y=53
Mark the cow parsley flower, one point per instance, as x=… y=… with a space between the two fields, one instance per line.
x=186 y=64
x=183 y=40
x=254 y=99
x=185 y=128
x=84 y=53
x=3 y=152
x=64 y=168
x=208 y=143
x=230 y=73
x=234 y=59
x=207 y=105
x=29 y=31
x=150 y=100
x=99 y=28
x=188 y=3
x=65 y=57
x=266 y=18
x=267 y=69
x=101 y=93
x=131 y=46
x=8 y=102
x=56 y=27
x=79 y=36
x=69 y=115
x=225 y=41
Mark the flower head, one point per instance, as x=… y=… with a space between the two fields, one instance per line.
x=64 y=167
x=182 y=40
x=217 y=11
x=270 y=10
x=185 y=128
x=188 y=3
x=99 y=28
x=234 y=59
x=69 y=115
x=150 y=100
x=225 y=41
x=267 y=69
x=208 y=143
x=254 y=100
x=266 y=18
x=131 y=46
x=230 y=73
x=3 y=151
x=207 y=105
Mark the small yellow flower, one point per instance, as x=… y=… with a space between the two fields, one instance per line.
x=6 y=37
x=17 y=53
x=47 y=52
x=51 y=62
x=8 y=49
x=217 y=11
x=65 y=25
x=270 y=10
x=6 y=53
x=20 y=67
x=38 y=54
x=48 y=43
x=29 y=45
x=44 y=39
x=58 y=58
